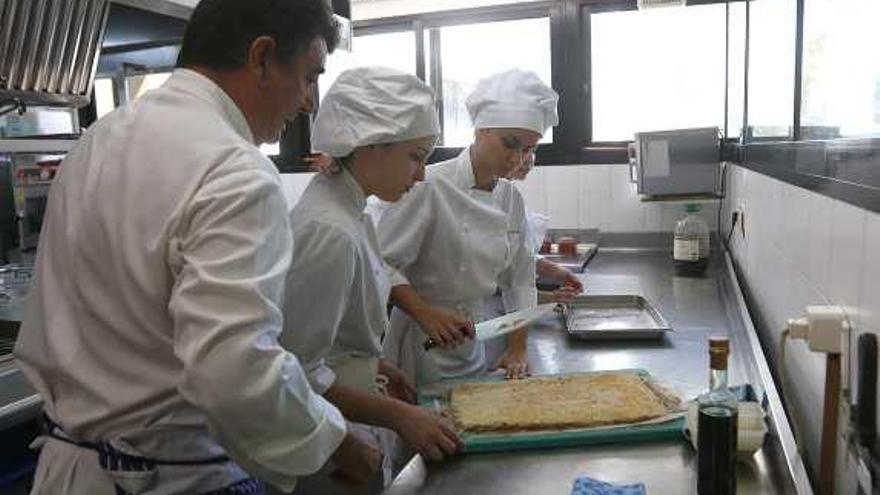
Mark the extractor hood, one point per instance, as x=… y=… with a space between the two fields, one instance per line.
x=49 y=49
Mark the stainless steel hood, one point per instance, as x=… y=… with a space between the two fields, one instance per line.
x=49 y=49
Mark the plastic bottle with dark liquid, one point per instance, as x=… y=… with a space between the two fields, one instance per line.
x=717 y=427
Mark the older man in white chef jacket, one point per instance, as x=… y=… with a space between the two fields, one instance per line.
x=152 y=323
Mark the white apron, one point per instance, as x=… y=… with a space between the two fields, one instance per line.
x=336 y=316
x=360 y=373
x=176 y=463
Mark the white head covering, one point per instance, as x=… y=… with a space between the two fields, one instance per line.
x=373 y=105
x=513 y=99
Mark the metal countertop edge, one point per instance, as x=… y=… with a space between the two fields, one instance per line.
x=793 y=459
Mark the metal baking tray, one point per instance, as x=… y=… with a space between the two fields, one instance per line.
x=613 y=317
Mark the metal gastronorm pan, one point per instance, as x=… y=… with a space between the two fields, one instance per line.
x=613 y=317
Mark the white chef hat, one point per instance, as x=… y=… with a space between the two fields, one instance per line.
x=513 y=99
x=373 y=105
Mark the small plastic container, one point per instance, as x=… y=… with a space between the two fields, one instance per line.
x=567 y=246
x=545 y=246
x=691 y=243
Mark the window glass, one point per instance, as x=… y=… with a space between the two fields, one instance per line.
x=395 y=50
x=104 y=96
x=772 y=25
x=657 y=70
x=471 y=52
x=372 y=9
x=138 y=85
x=736 y=69
x=841 y=69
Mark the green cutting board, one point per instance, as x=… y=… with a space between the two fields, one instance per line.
x=435 y=394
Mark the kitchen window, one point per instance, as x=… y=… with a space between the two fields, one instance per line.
x=104 y=102
x=396 y=50
x=736 y=69
x=471 y=52
x=772 y=25
x=657 y=70
x=135 y=87
x=841 y=69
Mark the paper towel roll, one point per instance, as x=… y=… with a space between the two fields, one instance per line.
x=750 y=427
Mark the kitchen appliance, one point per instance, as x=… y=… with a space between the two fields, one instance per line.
x=677 y=162
x=49 y=49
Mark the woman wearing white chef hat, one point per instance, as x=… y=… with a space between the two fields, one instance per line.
x=379 y=126
x=458 y=237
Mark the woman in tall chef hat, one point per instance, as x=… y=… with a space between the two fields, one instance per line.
x=458 y=237
x=379 y=125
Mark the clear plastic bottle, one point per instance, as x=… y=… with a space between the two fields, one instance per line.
x=691 y=243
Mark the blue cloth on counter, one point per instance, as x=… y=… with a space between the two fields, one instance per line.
x=589 y=486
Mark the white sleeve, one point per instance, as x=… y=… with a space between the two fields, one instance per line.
x=235 y=249
x=317 y=292
x=535 y=228
x=402 y=230
x=517 y=281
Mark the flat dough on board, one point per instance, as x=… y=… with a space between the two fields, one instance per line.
x=555 y=403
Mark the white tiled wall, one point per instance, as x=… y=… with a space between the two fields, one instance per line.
x=579 y=196
x=600 y=196
x=802 y=248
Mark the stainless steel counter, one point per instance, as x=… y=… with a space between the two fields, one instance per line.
x=18 y=402
x=696 y=308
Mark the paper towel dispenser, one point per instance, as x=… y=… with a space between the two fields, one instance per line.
x=677 y=162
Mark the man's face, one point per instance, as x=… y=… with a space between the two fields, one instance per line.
x=288 y=88
x=507 y=149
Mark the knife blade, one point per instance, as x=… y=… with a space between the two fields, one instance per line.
x=502 y=325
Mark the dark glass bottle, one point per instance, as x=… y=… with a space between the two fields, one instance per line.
x=717 y=427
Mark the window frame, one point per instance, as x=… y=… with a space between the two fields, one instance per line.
x=570 y=65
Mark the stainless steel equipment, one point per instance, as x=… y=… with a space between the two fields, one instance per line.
x=613 y=317
x=49 y=49
x=677 y=162
x=697 y=308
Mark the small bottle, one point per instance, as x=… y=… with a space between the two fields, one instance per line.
x=691 y=245
x=717 y=427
